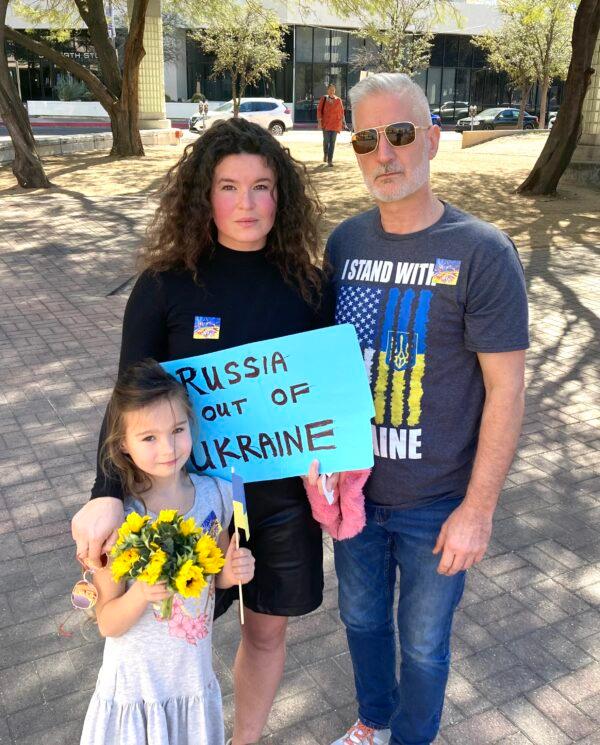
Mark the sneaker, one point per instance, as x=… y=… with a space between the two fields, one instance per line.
x=360 y=734
x=330 y=164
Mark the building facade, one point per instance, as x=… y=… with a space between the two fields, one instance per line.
x=320 y=50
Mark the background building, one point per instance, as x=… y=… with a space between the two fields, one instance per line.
x=320 y=51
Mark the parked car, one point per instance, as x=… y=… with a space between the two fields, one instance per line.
x=498 y=118
x=450 y=111
x=270 y=113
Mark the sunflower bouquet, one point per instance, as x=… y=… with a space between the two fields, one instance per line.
x=168 y=549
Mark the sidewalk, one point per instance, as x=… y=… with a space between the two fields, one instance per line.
x=526 y=645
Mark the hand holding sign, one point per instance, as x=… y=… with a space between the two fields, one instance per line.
x=326 y=483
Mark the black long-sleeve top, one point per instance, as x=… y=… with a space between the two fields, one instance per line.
x=248 y=295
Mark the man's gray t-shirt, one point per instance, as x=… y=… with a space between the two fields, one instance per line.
x=423 y=305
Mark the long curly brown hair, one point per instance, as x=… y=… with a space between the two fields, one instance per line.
x=182 y=231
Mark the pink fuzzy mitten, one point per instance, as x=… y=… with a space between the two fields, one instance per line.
x=344 y=518
x=328 y=515
x=352 y=503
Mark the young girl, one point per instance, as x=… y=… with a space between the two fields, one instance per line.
x=157 y=684
x=231 y=259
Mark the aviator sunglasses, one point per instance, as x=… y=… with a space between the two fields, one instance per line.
x=397 y=134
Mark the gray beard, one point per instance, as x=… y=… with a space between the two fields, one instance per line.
x=405 y=187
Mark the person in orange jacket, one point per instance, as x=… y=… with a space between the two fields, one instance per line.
x=330 y=118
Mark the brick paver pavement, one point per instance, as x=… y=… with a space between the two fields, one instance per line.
x=526 y=645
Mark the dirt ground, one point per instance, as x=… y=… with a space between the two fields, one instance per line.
x=480 y=179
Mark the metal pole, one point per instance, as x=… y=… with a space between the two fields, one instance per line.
x=18 y=71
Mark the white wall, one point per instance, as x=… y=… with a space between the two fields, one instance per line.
x=176 y=66
x=66 y=109
x=93 y=110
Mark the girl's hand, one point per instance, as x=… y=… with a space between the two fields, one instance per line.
x=314 y=479
x=152 y=593
x=239 y=565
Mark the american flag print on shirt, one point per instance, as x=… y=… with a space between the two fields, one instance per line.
x=391 y=325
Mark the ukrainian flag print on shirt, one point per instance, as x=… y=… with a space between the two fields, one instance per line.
x=391 y=325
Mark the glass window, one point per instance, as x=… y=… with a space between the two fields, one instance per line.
x=448 y=79
x=477 y=88
x=321 y=79
x=304 y=44
x=420 y=79
x=322 y=51
x=491 y=88
x=451 y=51
x=462 y=87
x=246 y=107
x=338 y=79
x=434 y=85
x=283 y=81
x=352 y=79
x=437 y=51
x=339 y=46
x=305 y=106
x=371 y=46
x=465 y=52
x=356 y=44
x=479 y=56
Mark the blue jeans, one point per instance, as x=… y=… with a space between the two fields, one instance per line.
x=329 y=137
x=367 y=567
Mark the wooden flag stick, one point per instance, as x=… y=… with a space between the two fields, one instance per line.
x=237 y=545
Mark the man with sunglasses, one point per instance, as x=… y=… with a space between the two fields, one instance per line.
x=438 y=301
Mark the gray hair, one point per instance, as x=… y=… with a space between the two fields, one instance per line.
x=393 y=84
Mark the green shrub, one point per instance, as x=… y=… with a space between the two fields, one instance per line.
x=75 y=91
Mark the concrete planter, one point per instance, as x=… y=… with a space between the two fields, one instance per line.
x=101 y=141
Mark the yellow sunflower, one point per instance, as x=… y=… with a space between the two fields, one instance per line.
x=153 y=568
x=203 y=546
x=187 y=527
x=133 y=524
x=123 y=563
x=189 y=580
x=208 y=554
x=165 y=516
x=136 y=522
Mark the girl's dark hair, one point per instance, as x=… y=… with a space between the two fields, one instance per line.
x=182 y=231
x=142 y=384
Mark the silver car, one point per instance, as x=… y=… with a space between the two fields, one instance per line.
x=270 y=113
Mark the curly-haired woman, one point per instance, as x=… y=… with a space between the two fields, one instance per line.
x=231 y=259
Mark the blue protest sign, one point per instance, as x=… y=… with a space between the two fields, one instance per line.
x=270 y=408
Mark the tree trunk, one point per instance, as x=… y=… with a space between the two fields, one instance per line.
x=562 y=140
x=525 y=91
x=235 y=96
x=545 y=84
x=127 y=141
x=27 y=166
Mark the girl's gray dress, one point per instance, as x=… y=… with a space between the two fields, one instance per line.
x=157 y=685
